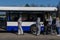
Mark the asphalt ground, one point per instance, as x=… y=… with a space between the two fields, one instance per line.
x=27 y=36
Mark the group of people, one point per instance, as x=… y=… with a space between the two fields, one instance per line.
x=48 y=23
x=51 y=24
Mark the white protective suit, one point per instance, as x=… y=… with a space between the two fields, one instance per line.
x=38 y=26
x=20 y=30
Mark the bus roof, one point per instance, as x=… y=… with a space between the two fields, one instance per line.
x=29 y=8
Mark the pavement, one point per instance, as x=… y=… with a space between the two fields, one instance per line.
x=27 y=36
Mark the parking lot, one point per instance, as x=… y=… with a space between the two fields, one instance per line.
x=27 y=36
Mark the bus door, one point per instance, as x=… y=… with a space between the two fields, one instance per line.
x=2 y=20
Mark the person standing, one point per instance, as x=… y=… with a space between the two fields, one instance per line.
x=58 y=26
x=20 y=30
x=50 y=24
x=54 y=26
x=38 y=26
x=45 y=26
x=50 y=20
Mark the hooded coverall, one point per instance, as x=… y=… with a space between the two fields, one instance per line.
x=20 y=30
x=38 y=26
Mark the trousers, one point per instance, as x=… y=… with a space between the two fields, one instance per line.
x=20 y=30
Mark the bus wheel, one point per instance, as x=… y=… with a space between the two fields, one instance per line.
x=33 y=29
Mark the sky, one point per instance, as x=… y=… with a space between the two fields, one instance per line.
x=23 y=2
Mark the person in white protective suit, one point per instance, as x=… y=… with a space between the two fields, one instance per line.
x=50 y=23
x=20 y=30
x=50 y=20
x=38 y=26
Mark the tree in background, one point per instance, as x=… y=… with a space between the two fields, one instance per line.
x=27 y=5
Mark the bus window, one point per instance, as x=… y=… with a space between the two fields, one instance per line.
x=13 y=16
x=32 y=16
x=28 y=17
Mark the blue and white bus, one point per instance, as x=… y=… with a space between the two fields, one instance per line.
x=9 y=17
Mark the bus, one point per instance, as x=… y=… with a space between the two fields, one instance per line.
x=9 y=17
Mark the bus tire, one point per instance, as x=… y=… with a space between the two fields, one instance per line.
x=33 y=29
